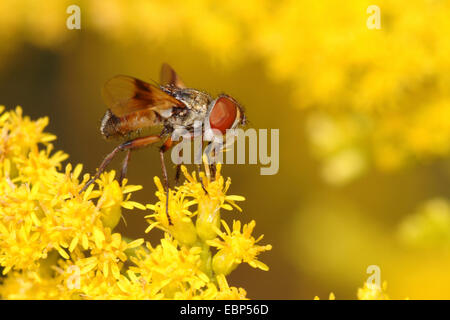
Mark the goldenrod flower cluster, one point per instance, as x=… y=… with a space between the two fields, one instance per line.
x=58 y=243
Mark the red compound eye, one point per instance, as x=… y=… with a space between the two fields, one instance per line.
x=223 y=114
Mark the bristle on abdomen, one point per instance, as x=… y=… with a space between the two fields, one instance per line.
x=108 y=127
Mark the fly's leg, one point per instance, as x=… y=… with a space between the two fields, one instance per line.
x=201 y=180
x=129 y=145
x=212 y=164
x=166 y=146
x=177 y=174
x=212 y=168
x=124 y=170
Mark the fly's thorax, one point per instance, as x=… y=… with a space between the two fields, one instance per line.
x=196 y=102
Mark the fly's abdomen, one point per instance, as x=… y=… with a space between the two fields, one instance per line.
x=113 y=126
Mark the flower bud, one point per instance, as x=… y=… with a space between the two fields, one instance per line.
x=110 y=204
x=223 y=262
x=206 y=260
x=184 y=231
x=208 y=219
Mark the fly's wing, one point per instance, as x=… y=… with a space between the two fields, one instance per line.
x=170 y=77
x=125 y=95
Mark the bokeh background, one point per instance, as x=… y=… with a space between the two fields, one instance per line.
x=364 y=120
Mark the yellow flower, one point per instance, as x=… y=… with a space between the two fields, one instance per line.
x=42 y=209
x=192 y=192
x=211 y=201
x=57 y=243
x=371 y=291
x=182 y=226
x=209 y=196
x=31 y=286
x=170 y=268
x=330 y=297
x=111 y=198
x=237 y=247
x=109 y=254
x=229 y=293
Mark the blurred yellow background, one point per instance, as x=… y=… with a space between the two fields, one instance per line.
x=364 y=119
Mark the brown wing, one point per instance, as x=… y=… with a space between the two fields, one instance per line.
x=168 y=76
x=125 y=95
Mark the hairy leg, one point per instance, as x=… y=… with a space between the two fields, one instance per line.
x=177 y=174
x=129 y=145
x=124 y=170
x=166 y=146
